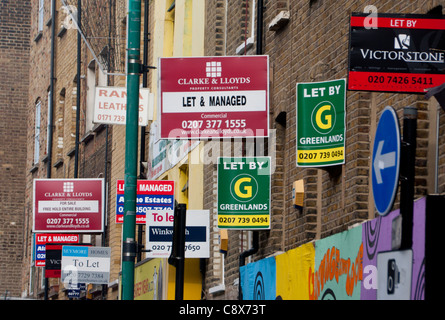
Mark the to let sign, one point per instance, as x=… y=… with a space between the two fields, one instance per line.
x=321 y=123
x=159 y=233
x=396 y=52
x=81 y=264
x=244 y=192
x=68 y=205
x=214 y=97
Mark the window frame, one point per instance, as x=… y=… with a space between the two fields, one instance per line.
x=37 y=127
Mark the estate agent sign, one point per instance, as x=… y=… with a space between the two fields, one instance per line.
x=68 y=205
x=210 y=97
x=244 y=193
x=321 y=123
x=398 y=53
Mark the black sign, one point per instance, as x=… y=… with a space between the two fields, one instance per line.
x=53 y=260
x=396 y=53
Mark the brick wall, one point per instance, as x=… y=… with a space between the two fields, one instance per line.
x=313 y=46
x=14 y=69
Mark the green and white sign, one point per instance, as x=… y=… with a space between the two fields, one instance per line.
x=244 y=192
x=321 y=123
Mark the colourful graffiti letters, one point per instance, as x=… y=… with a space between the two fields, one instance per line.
x=333 y=267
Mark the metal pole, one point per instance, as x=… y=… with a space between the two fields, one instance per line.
x=144 y=84
x=180 y=260
x=407 y=174
x=131 y=150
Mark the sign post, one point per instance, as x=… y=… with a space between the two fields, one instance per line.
x=131 y=148
x=386 y=161
x=244 y=193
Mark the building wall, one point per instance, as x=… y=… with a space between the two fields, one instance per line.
x=312 y=46
x=14 y=71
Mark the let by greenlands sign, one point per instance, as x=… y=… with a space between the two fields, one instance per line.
x=244 y=193
x=321 y=123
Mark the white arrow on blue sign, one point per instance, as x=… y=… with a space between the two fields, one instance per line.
x=386 y=161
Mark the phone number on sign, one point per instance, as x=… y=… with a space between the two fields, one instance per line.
x=321 y=155
x=213 y=124
x=68 y=221
x=400 y=80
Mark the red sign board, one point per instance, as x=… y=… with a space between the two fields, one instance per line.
x=150 y=195
x=214 y=97
x=396 y=53
x=42 y=239
x=68 y=205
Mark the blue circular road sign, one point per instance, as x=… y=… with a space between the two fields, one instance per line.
x=386 y=161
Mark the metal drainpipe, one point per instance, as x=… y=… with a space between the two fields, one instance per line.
x=50 y=111
x=255 y=240
x=76 y=145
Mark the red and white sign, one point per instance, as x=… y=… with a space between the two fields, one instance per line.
x=150 y=195
x=68 y=205
x=42 y=239
x=110 y=106
x=214 y=97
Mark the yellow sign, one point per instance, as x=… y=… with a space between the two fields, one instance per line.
x=148 y=280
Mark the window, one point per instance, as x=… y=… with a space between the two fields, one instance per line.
x=40 y=16
x=94 y=76
x=248 y=28
x=37 y=133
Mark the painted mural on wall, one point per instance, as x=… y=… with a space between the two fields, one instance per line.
x=258 y=280
x=357 y=264
x=293 y=268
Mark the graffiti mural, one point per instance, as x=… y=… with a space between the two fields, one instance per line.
x=338 y=267
x=258 y=280
x=292 y=269
x=350 y=265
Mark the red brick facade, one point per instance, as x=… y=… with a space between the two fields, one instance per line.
x=14 y=72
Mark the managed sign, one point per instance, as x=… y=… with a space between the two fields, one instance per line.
x=81 y=264
x=320 y=123
x=210 y=97
x=159 y=234
x=150 y=195
x=110 y=106
x=68 y=205
x=42 y=239
x=400 y=53
x=244 y=192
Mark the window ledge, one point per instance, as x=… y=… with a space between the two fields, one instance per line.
x=38 y=36
x=34 y=168
x=58 y=163
x=88 y=136
x=279 y=21
x=71 y=152
x=217 y=289
x=248 y=44
x=61 y=32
